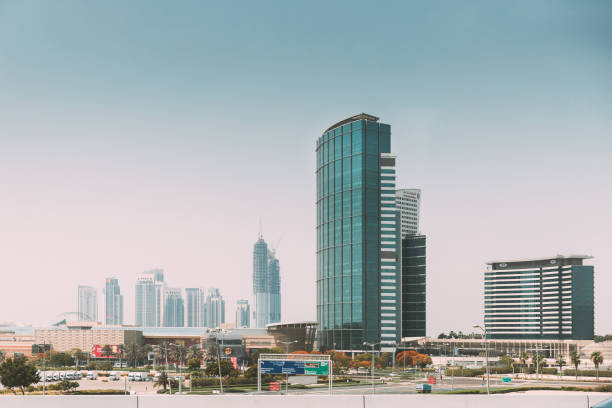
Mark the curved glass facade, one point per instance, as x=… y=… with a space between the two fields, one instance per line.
x=348 y=232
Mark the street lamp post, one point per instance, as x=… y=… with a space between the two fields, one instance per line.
x=219 y=332
x=372 y=346
x=180 y=352
x=484 y=330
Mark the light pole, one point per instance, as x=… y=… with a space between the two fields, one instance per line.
x=180 y=353
x=486 y=352
x=287 y=343
x=218 y=332
x=372 y=347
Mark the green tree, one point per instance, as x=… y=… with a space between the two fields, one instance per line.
x=255 y=354
x=194 y=352
x=61 y=360
x=227 y=369
x=2 y=356
x=575 y=360
x=560 y=362
x=178 y=354
x=67 y=386
x=121 y=349
x=506 y=360
x=538 y=361
x=523 y=359
x=597 y=359
x=162 y=380
x=78 y=355
x=193 y=363
x=18 y=373
x=131 y=353
x=107 y=351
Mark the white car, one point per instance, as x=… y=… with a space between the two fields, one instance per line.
x=92 y=375
x=114 y=376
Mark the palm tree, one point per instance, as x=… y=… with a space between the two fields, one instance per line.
x=597 y=359
x=162 y=380
x=143 y=352
x=178 y=353
x=121 y=349
x=560 y=362
x=575 y=359
x=538 y=360
x=194 y=352
x=107 y=351
x=131 y=353
x=523 y=359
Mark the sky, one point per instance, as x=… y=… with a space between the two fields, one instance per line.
x=145 y=134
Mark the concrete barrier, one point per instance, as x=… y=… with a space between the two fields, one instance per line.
x=581 y=400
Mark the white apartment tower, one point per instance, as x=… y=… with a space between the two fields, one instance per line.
x=408 y=202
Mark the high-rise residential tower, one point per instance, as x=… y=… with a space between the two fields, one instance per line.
x=274 y=314
x=260 y=283
x=215 y=309
x=174 y=313
x=408 y=201
x=243 y=314
x=357 y=260
x=543 y=298
x=195 y=307
x=145 y=300
x=266 y=285
x=88 y=304
x=113 y=307
x=160 y=287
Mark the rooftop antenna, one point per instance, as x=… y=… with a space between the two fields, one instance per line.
x=260 y=229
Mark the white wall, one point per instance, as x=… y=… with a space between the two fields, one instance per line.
x=582 y=400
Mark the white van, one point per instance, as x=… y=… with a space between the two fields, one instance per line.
x=56 y=376
x=69 y=375
x=131 y=377
x=114 y=376
x=92 y=375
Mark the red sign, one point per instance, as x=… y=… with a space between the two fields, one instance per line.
x=275 y=386
x=431 y=380
x=98 y=353
x=234 y=361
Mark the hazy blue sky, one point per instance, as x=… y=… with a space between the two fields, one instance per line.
x=151 y=134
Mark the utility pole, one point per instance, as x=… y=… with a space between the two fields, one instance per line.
x=372 y=347
x=484 y=330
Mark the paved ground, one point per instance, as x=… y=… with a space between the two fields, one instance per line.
x=399 y=387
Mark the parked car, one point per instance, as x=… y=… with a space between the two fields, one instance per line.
x=131 y=377
x=114 y=376
x=92 y=375
x=423 y=388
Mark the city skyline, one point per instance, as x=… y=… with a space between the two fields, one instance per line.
x=501 y=116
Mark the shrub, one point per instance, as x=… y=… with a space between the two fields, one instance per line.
x=588 y=373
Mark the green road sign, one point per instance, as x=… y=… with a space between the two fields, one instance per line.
x=506 y=379
x=316 y=367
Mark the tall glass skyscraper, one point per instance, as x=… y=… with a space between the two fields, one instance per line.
x=357 y=276
x=195 y=307
x=174 y=313
x=243 y=314
x=88 y=304
x=113 y=302
x=145 y=300
x=215 y=308
x=266 y=285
